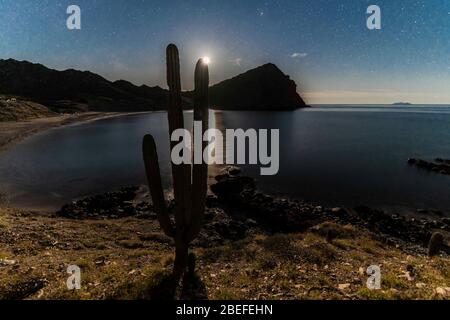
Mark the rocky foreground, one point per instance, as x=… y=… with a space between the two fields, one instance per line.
x=252 y=246
x=236 y=208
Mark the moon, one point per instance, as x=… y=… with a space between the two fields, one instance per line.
x=206 y=60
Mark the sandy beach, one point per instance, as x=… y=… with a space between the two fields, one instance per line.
x=12 y=132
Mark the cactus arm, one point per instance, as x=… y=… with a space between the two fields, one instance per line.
x=200 y=171
x=154 y=182
x=181 y=173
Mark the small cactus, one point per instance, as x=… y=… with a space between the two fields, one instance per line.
x=435 y=244
x=189 y=182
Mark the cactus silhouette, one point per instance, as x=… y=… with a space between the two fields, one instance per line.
x=189 y=182
x=435 y=243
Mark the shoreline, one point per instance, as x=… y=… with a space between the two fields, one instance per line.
x=14 y=132
x=249 y=240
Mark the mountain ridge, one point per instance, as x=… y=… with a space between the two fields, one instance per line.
x=262 y=88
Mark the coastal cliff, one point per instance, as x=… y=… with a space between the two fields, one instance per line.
x=262 y=88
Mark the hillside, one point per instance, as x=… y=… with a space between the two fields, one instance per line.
x=16 y=109
x=72 y=89
x=259 y=248
x=263 y=88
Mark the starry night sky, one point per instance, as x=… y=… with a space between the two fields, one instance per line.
x=324 y=45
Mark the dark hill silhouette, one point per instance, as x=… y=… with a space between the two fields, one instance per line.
x=263 y=88
x=55 y=88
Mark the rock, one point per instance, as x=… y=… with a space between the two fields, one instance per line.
x=6 y=262
x=230 y=229
x=339 y=211
x=407 y=275
x=251 y=223
x=231 y=170
x=233 y=186
x=442 y=291
x=446 y=221
x=234 y=171
x=100 y=262
x=441 y=166
x=222 y=177
x=27 y=287
x=110 y=204
x=344 y=286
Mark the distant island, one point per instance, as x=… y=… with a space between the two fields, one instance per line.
x=402 y=104
x=70 y=91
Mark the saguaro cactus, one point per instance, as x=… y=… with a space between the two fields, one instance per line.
x=189 y=182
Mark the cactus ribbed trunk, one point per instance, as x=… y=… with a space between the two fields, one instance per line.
x=181 y=173
x=190 y=196
x=200 y=171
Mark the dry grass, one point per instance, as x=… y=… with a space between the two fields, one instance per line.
x=16 y=109
x=307 y=266
x=131 y=259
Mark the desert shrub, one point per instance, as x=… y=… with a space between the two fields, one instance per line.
x=332 y=230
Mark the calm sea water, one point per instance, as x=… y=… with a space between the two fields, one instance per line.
x=334 y=155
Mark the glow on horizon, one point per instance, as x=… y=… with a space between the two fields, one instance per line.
x=375 y=97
